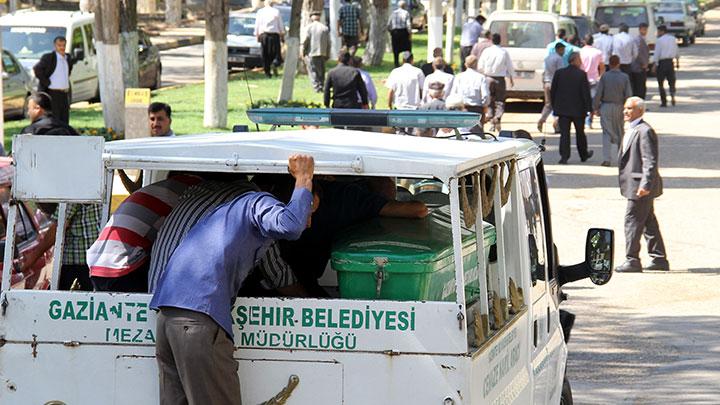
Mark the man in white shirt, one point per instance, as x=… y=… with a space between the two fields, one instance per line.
x=666 y=50
x=625 y=47
x=496 y=65
x=53 y=74
x=469 y=35
x=603 y=41
x=472 y=86
x=437 y=76
x=269 y=31
x=405 y=84
x=400 y=27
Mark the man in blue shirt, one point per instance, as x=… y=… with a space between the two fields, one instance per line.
x=195 y=293
x=569 y=48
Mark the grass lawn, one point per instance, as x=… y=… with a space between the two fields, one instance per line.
x=187 y=101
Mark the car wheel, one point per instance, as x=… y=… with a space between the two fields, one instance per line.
x=96 y=97
x=685 y=40
x=566 y=396
x=158 y=78
x=692 y=39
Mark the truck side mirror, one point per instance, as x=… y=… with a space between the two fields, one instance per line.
x=599 y=250
x=78 y=54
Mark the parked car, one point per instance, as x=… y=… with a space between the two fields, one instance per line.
x=17 y=85
x=29 y=34
x=585 y=25
x=525 y=35
x=678 y=19
x=243 y=48
x=150 y=67
x=697 y=12
x=30 y=229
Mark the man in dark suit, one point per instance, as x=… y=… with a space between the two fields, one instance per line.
x=42 y=121
x=571 y=102
x=343 y=84
x=53 y=73
x=640 y=183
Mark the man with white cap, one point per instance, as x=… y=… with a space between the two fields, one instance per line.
x=603 y=41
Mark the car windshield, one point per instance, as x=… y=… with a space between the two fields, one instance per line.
x=613 y=16
x=524 y=34
x=30 y=42
x=669 y=8
x=244 y=25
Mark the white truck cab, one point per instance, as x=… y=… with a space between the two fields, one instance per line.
x=486 y=330
x=29 y=34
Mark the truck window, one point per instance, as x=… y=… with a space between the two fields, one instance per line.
x=77 y=40
x=616 y=15
x=532 y=206
x=29 y=42
x=524 y=34
x=90 y=40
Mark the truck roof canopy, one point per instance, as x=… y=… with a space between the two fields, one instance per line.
x=335 y=151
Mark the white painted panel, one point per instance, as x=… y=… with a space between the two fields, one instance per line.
x=58 y=168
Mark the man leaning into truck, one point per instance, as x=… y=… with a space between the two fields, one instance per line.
x=195 y=293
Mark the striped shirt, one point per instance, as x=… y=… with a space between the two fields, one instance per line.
x=83 y=226
x=125 y=242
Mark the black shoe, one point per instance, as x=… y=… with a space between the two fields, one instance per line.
x=663 y=105
x=659 y=265
x=672 y=100
x=588 y=156
x=605 y=163
x=562 y=162
x=629 y=267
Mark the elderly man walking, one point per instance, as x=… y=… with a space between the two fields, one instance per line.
x=400 y=27
x=612 y=91
x=666 y=51
x=553 y=62
x=496 y=65
x=625 y=47
x=316 y=49
x=570 y=95
x=469 y=35
x=640 y=183
x=269 y=31
x=639 y=65
x=405 y=85
x=473 y=88
x=438 y=76
x=603 y=41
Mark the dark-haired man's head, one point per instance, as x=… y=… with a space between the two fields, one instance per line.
x=356 y=62
x=560 y=48
x=437 y=52
x=160 y=119
x=589 y=39
x=481 y=19
x=561 y=33
x=60 y=43
x=575 y=59
x=661 y=29
x=345 y=57
x=496 y=39
x=614 y=62
x=643 y=29
x=39 y=104
x=438 y=63
x=623 y=28
x=282 y=187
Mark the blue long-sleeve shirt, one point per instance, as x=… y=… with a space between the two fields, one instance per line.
x=207 y=269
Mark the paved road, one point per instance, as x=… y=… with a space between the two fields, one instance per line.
x=650 y=338
x=182 y=65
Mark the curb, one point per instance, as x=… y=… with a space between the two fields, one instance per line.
x=180 y=42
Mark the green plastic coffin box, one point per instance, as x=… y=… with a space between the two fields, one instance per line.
x=406 y=259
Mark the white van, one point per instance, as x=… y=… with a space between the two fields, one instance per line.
x=526 y=35
x=482 y=327
x=30 y=34
x=632 y=13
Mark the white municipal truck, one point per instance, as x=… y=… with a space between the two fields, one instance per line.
x=458 y=308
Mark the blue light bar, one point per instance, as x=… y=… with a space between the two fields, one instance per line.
x=363 y=118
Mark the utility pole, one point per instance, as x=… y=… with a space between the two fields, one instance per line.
x=292 y=52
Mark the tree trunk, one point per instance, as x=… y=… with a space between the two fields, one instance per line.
x=129 y=42
x=450 y=32
x=147 y=6
x=173 y=12
x=377 y=37
x=292 y=52
x=216 y=72
x=335 y=42
x=107 y=33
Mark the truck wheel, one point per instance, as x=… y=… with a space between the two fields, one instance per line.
x=685 y=40
x=566 y=397
x=692 y=39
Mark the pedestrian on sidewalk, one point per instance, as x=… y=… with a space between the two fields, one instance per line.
x=345 y=83
x=639 y=65
x=53 y=74
x=482 y=44
x=603 y=41
x=473 y=89
x=592 y=64
x=269 y=31
x=570 y=95
x=469 y=35
x=316 y=49
x=438 y=76
x=666 y=52
x=400 y=27
x=427 y=68
x=640 y=183
x=405 y=85
x=612 y=91
x=625 y=47
x=569 y=48
x=496 y=65
x=553 y=63
x=367 y=79
x=349 y=25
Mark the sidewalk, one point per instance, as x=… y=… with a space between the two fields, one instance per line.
x=164 y=37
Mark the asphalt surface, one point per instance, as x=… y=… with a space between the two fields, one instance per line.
x=182 y=65
x=650 y=338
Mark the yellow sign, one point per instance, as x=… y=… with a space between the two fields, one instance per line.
x=137 y=97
